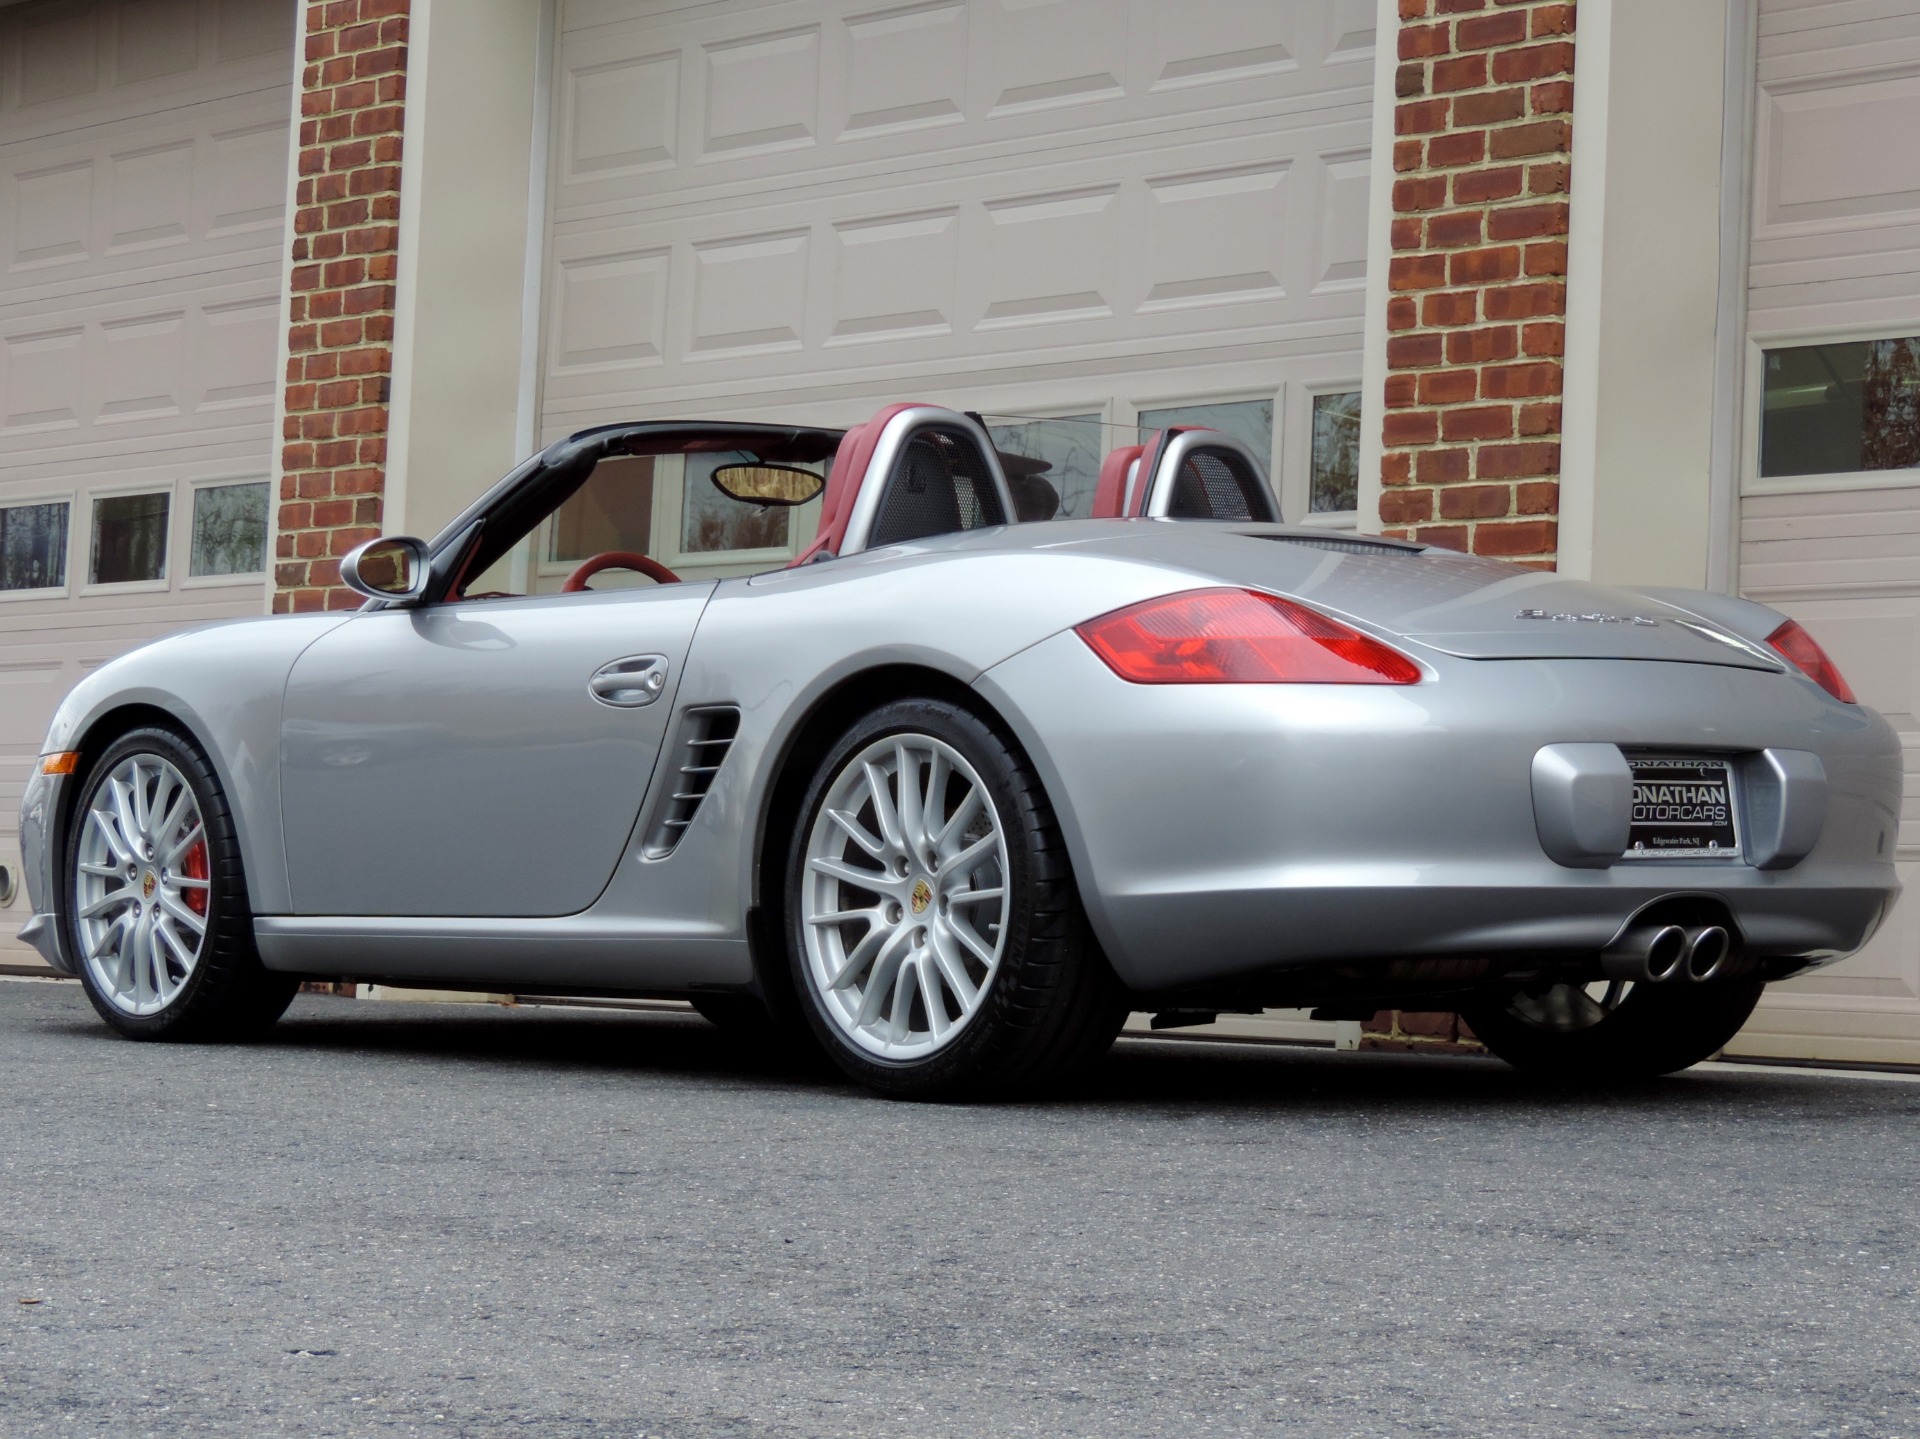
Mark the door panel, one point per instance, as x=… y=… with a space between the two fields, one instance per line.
x=454 y=761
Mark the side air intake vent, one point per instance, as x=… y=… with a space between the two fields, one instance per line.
x=697 y=754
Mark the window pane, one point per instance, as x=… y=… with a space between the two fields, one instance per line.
x=711 y=522
x=130 y=538
x=1071 y=447
x=613 y=510
x=1335 y=482
x=1841 y=408
x=1248 y=421
x=33 y=547
x=229 y=530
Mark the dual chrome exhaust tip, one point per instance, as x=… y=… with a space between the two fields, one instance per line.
x=1662 y=953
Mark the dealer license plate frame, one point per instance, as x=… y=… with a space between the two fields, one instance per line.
x=1694 y=782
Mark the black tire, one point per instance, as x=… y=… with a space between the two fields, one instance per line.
x=227 y=994
x=1657 y=1029
x=1052 y=1005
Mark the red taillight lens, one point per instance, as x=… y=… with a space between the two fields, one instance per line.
x=1239 y=637
x=1805 y=654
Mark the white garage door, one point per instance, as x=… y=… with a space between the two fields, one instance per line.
x=143 y=177
x=1102 y=209
x=1830 y=524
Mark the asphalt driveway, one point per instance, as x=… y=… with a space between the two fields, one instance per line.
x=463 y=1220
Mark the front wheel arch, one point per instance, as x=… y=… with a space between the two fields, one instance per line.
x=94 y=741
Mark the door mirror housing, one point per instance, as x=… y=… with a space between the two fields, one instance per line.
x=782 y=485
x=393 y=567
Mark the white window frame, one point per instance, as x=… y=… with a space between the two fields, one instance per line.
x=1758 y=343
x=83 y=543
x=70 y=498
x=181 y=540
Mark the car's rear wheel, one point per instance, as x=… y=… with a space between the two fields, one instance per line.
x=938 y=944
x=156 y=898
x=1615 y=1030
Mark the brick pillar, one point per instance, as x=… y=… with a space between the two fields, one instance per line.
x=1476 y=319
x=345 y=234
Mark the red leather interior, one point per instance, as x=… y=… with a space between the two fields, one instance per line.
x=618 y=560
x=1111 y=492
x=850 y=463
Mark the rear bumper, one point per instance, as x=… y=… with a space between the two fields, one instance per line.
x=1222 y=832
x=1177 y=939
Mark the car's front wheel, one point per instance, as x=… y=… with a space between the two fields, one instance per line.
x=1614 y=1030
x=156 y=898
x=938 y=944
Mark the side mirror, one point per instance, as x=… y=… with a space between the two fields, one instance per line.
x=783 y=485
x=393 y=567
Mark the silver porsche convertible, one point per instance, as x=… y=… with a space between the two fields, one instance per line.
x=958 y=789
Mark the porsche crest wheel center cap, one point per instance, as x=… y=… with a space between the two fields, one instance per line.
x=921 y=897
x=147 y=884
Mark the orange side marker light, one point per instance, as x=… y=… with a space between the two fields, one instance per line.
x=64 y=762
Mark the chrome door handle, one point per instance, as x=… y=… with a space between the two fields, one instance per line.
x=630 y=683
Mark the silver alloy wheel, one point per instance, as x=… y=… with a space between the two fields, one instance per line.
x=904 y=897
x=140 y=885
x=1569 y=1008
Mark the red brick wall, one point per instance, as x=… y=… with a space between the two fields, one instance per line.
x=345 y=233
x=1483 y=126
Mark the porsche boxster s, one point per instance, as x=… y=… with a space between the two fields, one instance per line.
x=959 y=789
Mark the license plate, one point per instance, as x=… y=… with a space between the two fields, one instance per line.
x=1683 y=808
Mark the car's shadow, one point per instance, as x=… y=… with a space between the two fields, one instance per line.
x=1139 y=1071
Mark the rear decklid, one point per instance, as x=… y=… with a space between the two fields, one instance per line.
x=1458 y=604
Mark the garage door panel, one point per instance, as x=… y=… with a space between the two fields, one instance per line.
x=901 y=69
x=166 y=355
x=1125 y=246
x=66 y=64
x=700 y=103
x=106 y=205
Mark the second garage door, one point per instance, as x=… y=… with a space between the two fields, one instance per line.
x=1830 y=522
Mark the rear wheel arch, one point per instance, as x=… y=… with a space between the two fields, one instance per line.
x=806 y=745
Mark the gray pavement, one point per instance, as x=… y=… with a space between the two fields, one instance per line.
x=461 y=1220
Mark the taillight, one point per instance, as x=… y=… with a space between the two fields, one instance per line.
x=1803 y=652
x=1243 y=637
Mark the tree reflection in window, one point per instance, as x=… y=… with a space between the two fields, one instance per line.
x=129 y=538
x=229 y=530
x=711 y=521
x=1841 y=408
x=33 y=547
x=1335 y=483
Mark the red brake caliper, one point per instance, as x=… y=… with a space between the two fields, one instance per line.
x=194 y=866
